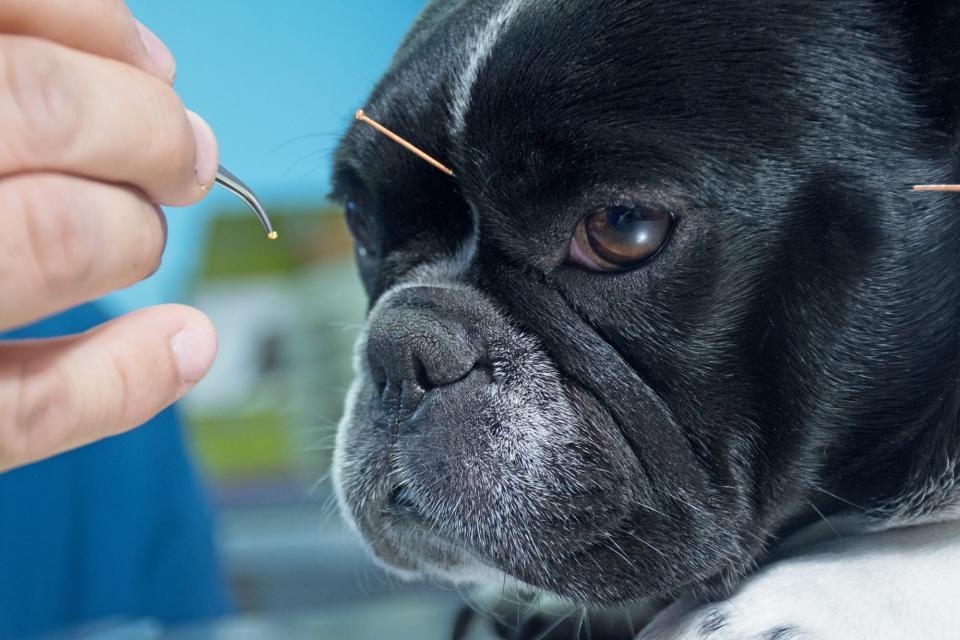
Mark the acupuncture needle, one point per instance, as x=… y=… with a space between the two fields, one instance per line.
x=234 y=185
x=360 y=116
x=937 y=187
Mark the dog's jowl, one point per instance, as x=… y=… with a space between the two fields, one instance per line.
x=676 y=308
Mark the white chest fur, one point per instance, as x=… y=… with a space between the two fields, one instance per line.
x=895 y=584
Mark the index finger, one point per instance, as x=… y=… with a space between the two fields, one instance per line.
x=101 y=27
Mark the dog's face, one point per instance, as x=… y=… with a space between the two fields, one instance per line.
x=670 y=296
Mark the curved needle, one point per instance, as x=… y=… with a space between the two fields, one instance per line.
x=236 y=186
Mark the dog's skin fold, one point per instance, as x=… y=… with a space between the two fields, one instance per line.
x=657 y=433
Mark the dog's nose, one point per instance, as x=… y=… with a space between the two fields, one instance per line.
x=417 y=342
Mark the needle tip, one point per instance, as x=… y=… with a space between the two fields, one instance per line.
x=273 y=235
x=359 y=114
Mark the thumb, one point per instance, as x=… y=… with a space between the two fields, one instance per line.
x=60 y=394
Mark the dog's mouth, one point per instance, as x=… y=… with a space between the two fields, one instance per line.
x=511 y=469
x=433 y=542
x=412 y=539
x=403 y=510
x=403 y=503
x=472 y=500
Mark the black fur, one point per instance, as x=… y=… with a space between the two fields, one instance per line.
x=793 y=349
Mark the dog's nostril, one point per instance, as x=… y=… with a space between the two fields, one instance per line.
x=421 y=375
x=417 y=339
x=378 y=377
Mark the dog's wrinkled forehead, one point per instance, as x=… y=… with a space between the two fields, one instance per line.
x=542 y=113
x=546 y=109
x=428 y=89
x=463 y=34
x=480 y=43
x=527 y=96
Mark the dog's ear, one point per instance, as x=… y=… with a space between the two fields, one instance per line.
x=933 y=29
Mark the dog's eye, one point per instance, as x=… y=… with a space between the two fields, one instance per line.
x=620 y=238
x=358 y=225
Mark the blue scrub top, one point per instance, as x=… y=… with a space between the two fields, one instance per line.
x=121 y=528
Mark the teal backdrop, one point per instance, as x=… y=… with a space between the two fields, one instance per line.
x=278 y=82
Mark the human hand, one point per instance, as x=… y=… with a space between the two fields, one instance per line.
x=92 y=139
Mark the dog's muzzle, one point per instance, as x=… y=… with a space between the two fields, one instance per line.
x=416 y=344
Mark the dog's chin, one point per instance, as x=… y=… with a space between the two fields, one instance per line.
x=412 y=549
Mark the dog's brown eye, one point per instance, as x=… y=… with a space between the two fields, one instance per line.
x=620 y=238
x=358 y=225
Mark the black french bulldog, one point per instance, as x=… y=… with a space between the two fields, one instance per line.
x=677 y=304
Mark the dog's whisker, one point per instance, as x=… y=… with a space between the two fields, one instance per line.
x=311 y=154
x=330 y=135
x=631 y=624
x=319 y=482
x=583 y=616
x=653 y=509
x=329 y=509
x=309 y=173
x=836 y=497
x=550 y=629
x=823 y=517
x=618 y=550
x=475 y=603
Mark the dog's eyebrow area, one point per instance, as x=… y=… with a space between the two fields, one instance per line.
x=409 y=146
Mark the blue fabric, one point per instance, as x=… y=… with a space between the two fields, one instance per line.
x=118 y=528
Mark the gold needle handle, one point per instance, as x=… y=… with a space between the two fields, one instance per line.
x=423 y=155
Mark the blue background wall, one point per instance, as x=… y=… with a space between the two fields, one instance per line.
x=278 y=81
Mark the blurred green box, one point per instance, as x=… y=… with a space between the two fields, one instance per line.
x=288 y=313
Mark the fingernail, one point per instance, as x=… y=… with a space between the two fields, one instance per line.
x=158 y=52
x=207 y=152
x=194 y=349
